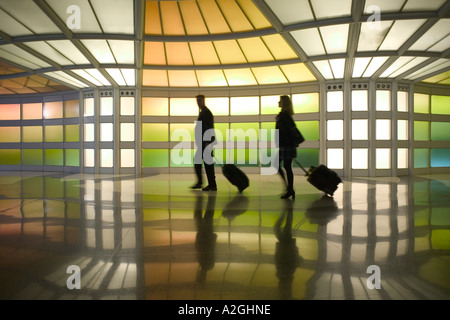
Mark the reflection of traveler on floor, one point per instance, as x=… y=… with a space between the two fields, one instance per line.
x=205 y=240
x=204 y=124
x=322 y=210
x=287 y=147
x=287 y=257
x=237 y=206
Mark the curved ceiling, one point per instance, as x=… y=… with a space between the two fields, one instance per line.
x=54 y=45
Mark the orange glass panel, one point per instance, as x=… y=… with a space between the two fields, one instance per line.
x=213 y=17
x=171 y=18
x=297 y=73
x=279 y=48
x=154 y=53
x=178 y=53
x=240 y=77
x=204 y=53
x=9 y=111
x=155 y=106
x=269 y=75
x=211 y=78
x=182 y=78
x=157 y=78
x=234 y=16
x=53 y=110
x=229 y=52
x=193 y=20
x=152 y=18
x=71 y=108
x=9 y=134
x=255 y=50
x=255 y=16
x=32 y=134
x=32 y=111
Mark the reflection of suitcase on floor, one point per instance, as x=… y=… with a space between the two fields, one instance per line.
x=236 y=176
x=323 y=178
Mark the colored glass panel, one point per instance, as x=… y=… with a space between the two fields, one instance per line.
x=309 y=129
x=421 y=158
x=440 y=131
x=155 y=158
x=182 y=132
x=297 y=72
x=269 y=104
x=211 y=78
x=218 y=106
x=9 y=111
x=72 y=133
x=53 y=110
x=157 y=78
x=267 y=131
x=32 y=134
x=269 y=75
x=244 y=132
x=10 y=157
x=244 y=105
x=71 y=108
x=32 y=111
x=33 y=157
x=9 y=134
x=421 y=131
x=54 y=157
x=183 y=107
x=72 y=157
x=240 y=77
x=440 y=157
x=244 y=157
x=155 y=132
x=182 y=157
x=182 y=78
x=421 y=103
x=305 y=102
x=440 y=104
x=155 y=106
x=307 y=157
x=221 y=130
x=53 y=133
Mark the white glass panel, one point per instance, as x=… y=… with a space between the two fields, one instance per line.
x=432 y=36
x=383 y=158
x=335 y=158
x=127 y=158
x=402 y=101
x=324 y=68
x=99 y=76
x=360 y=129
x=106 y=132
x=411 y=64
x=106 y=106
x=359 y=100
x=68 y=49
x=87 y=76
x=360 y=66
x=183 y=107
x=116 y=74
x=331 y=9
x=123 y=51
x=100 y=50
x=338 y=67
x=127 y=132
x=360 y=158
x=89 y=107
x=335 y=101
x=383 y=100
x=130 y=76
x=48 y=51
x=420 y=5
x=244 y=105
x=106 y=158
x=399 y=63
x=335 y=38
x=218 y=106
x=65 y=78
x=430 y=68
x=291 y=11
x=21 y=57
x=401 y=31
x=310 y=41
x=374 y=65
x=117 y=18
x=335 y=129
x=89 y=132
x=402 y=158
x=11 y=27
x=383 y=128
x=372 y=35
x=402 y=129
x=87 y=22
x=89 y=157
x=127 y=106
x=382 y=5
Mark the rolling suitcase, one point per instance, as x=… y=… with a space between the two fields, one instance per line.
x=323 y=178
x=236 y=176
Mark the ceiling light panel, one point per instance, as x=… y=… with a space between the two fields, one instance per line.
x=437 y=33
x=229 y=52
x=335 y=38
x=122 y=50
x=11 y=26
x=360 y=66
x=331 y=9
x=291 y=11
x=117 y=18
x=46 y=50
x=213 y=17
x=420 y=5
x=399 y=63
x=68 y=13
x=374 y=65
x=408 y=66
x=297 y=72
x=234 y=16
x=211 y=78
x=69 y=50
x=65 y=78
x=324 y=68
x=441 y=46
x=240 y=77
x=269 y=75
x=256 y=18
x=430 y=68
x=171 y=18
x=278 y=47
x=382 y=6
x=372 y=35
x=117 y=75
x=193 y=20
x=100 y=50
x=255 y=50
x=400 y=32
x=204 y=53
x=310 y=41
x=19 y=56
x=178 y=53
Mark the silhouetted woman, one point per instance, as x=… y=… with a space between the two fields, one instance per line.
x=287 y=147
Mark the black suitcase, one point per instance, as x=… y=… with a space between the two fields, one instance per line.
x=323 y=178
x=236 y=176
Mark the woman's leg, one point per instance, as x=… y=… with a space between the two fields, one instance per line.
x=289 y=174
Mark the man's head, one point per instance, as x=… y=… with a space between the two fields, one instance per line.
x=200 y=101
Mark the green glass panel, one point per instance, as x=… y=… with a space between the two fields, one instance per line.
x=421 y=131
x=421 y=158
x=267 y=130
x=439 y=239
x=440 y=131
x=72 y=133
x=440 y=216
x=32 y=134
x=72 y=157
x=155 y=132
x=33 y=157
x=440 y=104
x=10 y=157
x=181 y=158
x=54 y=157
x=421 y=103
x=73 y=210
x=266 y=156
x=53 y=133
x=33 y=187
x=155 y=158
x=305 y=102
x=244 y=132
x=269 y=105
x=309 y=129
x=221 y=131
x=245 y=157
x=9 y=134
x=440 y=158
x=54 y=188
x=307 y=157
x=183 y=131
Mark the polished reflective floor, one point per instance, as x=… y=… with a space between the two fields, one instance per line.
x=83 y=236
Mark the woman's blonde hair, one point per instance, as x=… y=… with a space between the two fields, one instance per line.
x=286 y=104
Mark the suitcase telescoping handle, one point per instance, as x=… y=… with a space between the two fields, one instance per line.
x=300 y=165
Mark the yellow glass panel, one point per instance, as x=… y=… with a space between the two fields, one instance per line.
x=211 y=78
x=9 y=134
x=155 y=132
x=421 y=103
x=53 y=110
x=305 y=102
x=187 y=133
x=33 y=157
x=154 y=53
x=9 y=111
x=53 y=133
x=193 y=20
x=269 y=75
x=244 y=105
x=152 y=18
x=72 y=157
x=214 y=19
x=255 y=16
x=218 y=106
x=171 y=18
x=204 y=53
x=269 y=105
x=32 y=134
x=156 y=78
x=297 y=73
x=255 y=50
x=183 y=107
x=178 y=53
x=182 y=78
x=240 y=77
x=155 y=106
x=10 y=157
x=279 y=48
x=72 y=133
x=54 y=157
x=229 y=52
x=71 y=108
x=32 y=111
x=234 y=16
